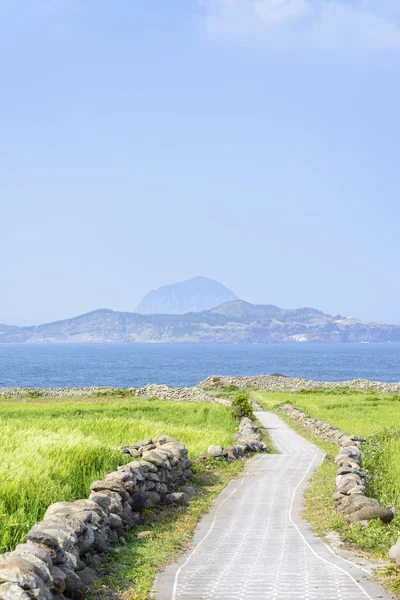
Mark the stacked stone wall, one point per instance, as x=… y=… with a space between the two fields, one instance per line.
x=350 y=495
x=62 y=553
x=281 y=383
x=248 y=439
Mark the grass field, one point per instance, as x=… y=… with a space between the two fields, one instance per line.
x=53 y=450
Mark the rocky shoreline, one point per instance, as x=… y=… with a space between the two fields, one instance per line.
x=272 y=383
x=281 y=383
x=162 y=392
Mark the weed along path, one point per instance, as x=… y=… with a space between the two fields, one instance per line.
x=254 y=545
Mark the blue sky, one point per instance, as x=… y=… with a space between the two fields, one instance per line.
x=145 y=142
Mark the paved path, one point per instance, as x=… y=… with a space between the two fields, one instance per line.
x=254 y=546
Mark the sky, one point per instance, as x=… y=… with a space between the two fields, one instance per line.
x=143 y=142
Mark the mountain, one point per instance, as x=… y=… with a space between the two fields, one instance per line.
x=5 y=328
x=193 y=295
x=232 y=322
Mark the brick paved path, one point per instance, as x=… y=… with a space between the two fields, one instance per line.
x=254 y=546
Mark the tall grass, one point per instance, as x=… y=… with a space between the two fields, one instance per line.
x=52 y=451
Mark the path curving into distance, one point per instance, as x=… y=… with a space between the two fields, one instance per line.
x=254 y=545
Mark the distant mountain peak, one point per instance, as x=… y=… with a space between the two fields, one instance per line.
x=192 y=295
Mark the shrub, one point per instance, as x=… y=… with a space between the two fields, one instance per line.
x=116 y=393
x=241 y=405
x=34 y=394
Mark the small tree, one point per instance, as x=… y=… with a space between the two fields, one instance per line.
x=241 y=405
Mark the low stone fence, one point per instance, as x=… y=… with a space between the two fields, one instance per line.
x=62 y=552
x=248 y=439
x=350 y=493
x=193 y=394
x=162 y=392
x=281 y=383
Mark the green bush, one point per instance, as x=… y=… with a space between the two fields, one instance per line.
x=116 y=393
x=34 y=394
x=241 y=405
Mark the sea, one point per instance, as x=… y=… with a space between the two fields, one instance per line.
x=180 y=365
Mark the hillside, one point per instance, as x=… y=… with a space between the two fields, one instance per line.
x=193 y=295
x=4 y=328
x=232 y=322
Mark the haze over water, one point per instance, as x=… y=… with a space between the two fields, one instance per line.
x=135 y=365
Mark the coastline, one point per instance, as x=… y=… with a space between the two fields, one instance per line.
x=198 y=393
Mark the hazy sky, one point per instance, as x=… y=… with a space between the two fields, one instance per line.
x=143 y=142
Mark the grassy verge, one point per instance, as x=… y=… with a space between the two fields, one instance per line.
x=53 y=450
x=130 y=571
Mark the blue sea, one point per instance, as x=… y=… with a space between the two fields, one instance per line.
x=135 y=365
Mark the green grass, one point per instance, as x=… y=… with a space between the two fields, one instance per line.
x=53 y=450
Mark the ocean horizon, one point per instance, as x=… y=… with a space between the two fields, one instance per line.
x=182 y=365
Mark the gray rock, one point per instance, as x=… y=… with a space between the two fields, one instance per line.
x=337 y=496
x=12 y=591
x=59 y=578
x=148 y=466
x=39 y=551
x=138 y=501
x=88 y=577
x=147 y=448
x=394 y=552
x=146 y=442
x=131 y=451
x=101 y=543
x=216 y=451
x=156 y=458
x=187 y=489
x=164 y=439
x=109 y=485
x=367 y=513
x=92 y=508
x=152 y=500
x=21 y=572
x=115 y=522
x=74 y=588
x=42 y=569
x=177 y=498
x=101 y=499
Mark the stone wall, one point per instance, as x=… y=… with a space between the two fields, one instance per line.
x=280 y=383
x=162 y=392
x=248 y=439
x=193 y=394
x=277 y=383
x=350 y=494
x=62 y=552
